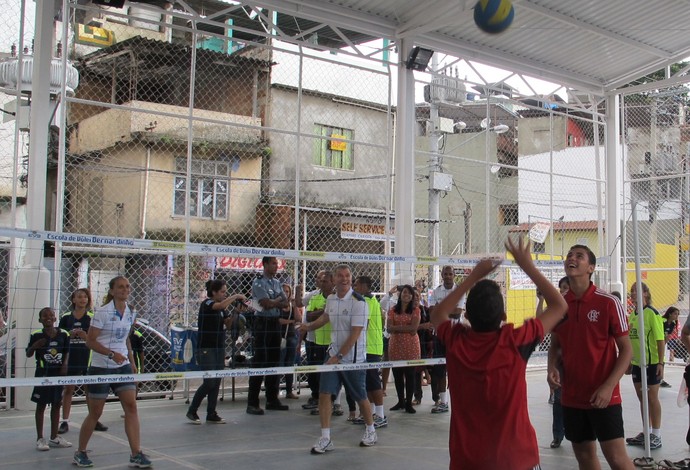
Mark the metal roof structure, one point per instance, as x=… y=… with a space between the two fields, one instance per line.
x=591 y=46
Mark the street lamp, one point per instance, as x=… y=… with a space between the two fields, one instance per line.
x=497 y=129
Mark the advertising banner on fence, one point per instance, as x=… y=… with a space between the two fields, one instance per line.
x=238 y=263
x=539 y=231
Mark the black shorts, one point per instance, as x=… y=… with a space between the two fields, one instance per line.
x=652 y=379
x=373 y=380
x=48 y=395
x=593 y=424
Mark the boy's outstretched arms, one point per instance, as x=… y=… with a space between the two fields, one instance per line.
x=556 y=306
x=446 y=307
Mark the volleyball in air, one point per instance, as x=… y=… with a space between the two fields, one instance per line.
x=493 y=16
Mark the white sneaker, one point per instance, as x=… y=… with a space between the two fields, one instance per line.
x=59 y=442
x=440 y=408
x=369 y=439
x=380 y=422
x=322 y=446
x=42 y=444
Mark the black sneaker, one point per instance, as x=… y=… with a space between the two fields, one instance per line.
x=215 y=419
x=277 y=406
x=63 y=428
x=193 y=417
x=635 y=441
x=254 y=410
x=311 y=404
x=101 y=427
x=664 y=384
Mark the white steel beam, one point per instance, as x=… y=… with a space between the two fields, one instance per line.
x=505 y=61
x=346 y=18
x=641 y=72
x=404 y=161
x=614 y=179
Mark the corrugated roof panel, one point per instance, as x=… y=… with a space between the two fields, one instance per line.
x=596 y=43
x=593 y=45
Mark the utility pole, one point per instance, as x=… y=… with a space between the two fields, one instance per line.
x=467 y=214
x=434 y=167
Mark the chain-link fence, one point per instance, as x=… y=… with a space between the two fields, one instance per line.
x=656 y=200
x=226 y=132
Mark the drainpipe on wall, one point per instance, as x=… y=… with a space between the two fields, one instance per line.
x=145 y=193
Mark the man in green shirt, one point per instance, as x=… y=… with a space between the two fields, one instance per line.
x=362 y=286
x=317 y=352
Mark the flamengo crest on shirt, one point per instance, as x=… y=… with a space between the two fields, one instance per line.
x=593 y=316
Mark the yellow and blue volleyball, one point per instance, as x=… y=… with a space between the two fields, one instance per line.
x=493 y=16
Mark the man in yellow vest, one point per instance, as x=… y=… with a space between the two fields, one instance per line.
x=322 y=336
x=362 y=286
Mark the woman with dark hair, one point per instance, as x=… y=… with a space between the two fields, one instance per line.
x=403 y=321
x=288 y=344
x=213 y=319
x=653 y=338
x=672 y=335
x=76 y=322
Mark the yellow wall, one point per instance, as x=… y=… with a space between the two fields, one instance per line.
x=663 y=285
x=522 y=304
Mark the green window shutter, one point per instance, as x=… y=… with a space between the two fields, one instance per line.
x=347 y=154
x=318 y=143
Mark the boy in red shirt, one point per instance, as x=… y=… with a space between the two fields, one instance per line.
x=489 y=423
x=595 y=350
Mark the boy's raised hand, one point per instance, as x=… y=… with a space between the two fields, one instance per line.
x=441 y=311
x=520 y=251
x=556 y=305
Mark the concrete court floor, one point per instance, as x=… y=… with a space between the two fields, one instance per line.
x=281 y=440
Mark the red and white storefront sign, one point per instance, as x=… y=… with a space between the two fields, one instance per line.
x=245 y=264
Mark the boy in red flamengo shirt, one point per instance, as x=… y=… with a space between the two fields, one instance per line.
x=595 y=349
x=489 y=423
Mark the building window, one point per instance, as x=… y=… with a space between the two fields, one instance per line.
x=209 y=192
x=508 y=214
x=330 y=150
